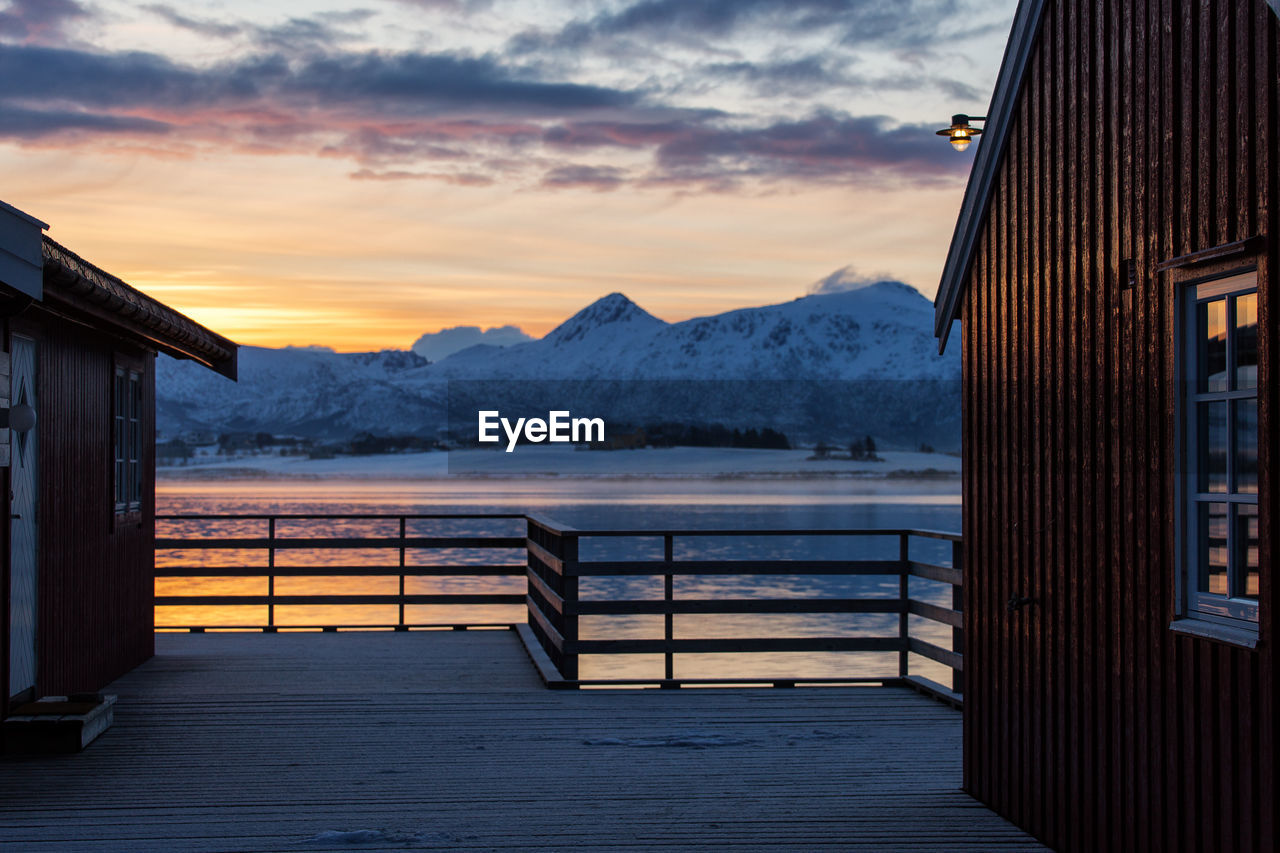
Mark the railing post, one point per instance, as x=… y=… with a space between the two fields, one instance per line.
x=528 y=574
x=400 y=626
x=569 y=582
x=904 y=595
x=271 y=575
x=957 y=604
x=668 y=595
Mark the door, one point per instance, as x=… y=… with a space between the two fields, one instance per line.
x=22 y=524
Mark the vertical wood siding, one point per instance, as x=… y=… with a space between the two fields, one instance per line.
x=1145 y=130
x=97 y=576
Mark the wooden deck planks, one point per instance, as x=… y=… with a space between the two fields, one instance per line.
x=447 y=741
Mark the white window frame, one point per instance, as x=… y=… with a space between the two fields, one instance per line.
x=1211 y=610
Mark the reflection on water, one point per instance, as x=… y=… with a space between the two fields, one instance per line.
x=586 y=504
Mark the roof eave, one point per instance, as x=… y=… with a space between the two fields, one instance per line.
x=991 y=147
x=78 y=287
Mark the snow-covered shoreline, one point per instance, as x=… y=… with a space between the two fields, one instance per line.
x=676 y=463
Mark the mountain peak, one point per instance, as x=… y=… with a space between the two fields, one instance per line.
x=614 y=310
x=899 y=288
x=886 y=289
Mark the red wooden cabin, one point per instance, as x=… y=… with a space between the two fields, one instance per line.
x=1114 y=275
x=77 y=393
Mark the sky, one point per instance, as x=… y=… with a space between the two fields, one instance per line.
x=356 y=176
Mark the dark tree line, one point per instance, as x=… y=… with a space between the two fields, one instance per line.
x=714 y=435
x=864 y=450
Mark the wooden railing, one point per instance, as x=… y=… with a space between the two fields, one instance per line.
x=547 y=558
x=555 y=606
x=269 y=545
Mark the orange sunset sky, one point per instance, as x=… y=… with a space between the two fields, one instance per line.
x=313 y=173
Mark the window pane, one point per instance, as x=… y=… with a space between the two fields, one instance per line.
x=1247 y=446
x=1212 y=447
x=1246 y=544
x=1246 y=340
x=1211 y=325
x=135 y=395
x=134 y=467
x=1213 y=548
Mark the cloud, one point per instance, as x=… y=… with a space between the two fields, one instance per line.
x=295 y=35
x=467 y=6
x=200 y=26
x=473 y=118
x=416 y=81
x=20 y=123
x=598 y=178
x=824 y=146
x=39 y=20
x=904 y=24
x=403 y=84
x=107 y=80
x=804 y=76
x=846 y=279
x=821 y=146
x=437 y=345
x=462 y=179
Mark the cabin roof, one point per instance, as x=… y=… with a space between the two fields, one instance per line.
x=991 y=147
x=83 y=292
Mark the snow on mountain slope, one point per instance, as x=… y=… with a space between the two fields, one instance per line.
x=613 y=315
x=883 y=331
x=818 y=367
x=297 y=391
x=877 y=332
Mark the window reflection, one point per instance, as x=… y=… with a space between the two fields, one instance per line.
x=1213 y=341
x=1246 y=447
x=1246 y=540
x=1222 y=421
x=1246 y=341
x=1213 y=447
x=1213 y=548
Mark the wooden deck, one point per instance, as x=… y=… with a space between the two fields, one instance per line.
x=448 y=741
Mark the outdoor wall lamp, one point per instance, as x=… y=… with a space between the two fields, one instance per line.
x=961 y=132
x=20 y=418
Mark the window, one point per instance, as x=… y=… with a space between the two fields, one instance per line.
x=1219 y=424
x=128 y=440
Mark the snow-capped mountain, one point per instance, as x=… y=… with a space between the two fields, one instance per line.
x=882 y=331
x=822 y=367
x=612 y=315
x=295 y=390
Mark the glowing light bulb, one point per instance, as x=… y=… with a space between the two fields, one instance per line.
x=961 y=133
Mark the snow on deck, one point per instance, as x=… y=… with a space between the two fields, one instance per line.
x=447 y=741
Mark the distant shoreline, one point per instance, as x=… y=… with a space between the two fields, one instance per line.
x=220 y=473
x=565 y=465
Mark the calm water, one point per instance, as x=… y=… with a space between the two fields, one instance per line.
x=641 y=504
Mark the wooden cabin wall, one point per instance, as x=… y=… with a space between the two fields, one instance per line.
x=1145 y=130
x=97 y=574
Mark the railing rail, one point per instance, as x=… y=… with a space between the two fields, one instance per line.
x=554 y=604
x=548 y=560
x=271 y=545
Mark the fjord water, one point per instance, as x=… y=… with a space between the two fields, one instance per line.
x=633 y=504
